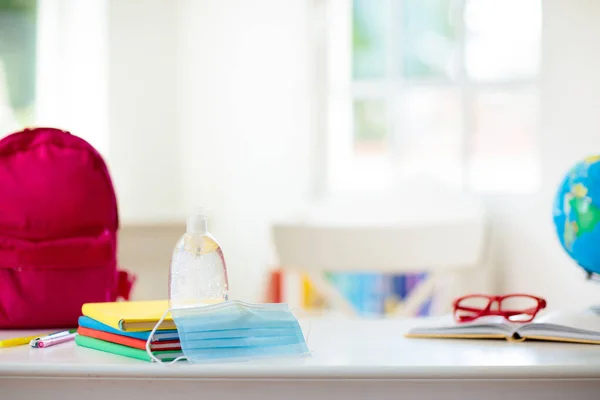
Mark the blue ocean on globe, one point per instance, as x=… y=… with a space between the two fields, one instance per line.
x=577 y=213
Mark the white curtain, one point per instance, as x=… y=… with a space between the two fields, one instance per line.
x=72 y=68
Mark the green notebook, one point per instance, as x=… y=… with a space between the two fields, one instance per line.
x=108 y=347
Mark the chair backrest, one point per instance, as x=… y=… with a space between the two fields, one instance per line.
x=383 y=249
x=396 y=241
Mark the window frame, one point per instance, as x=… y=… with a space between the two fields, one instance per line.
x=345 y=172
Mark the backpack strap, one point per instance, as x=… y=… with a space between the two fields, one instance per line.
x=125 y=282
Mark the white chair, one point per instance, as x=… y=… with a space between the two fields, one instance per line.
x=449 y=243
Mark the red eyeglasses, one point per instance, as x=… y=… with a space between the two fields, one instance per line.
x=513 y=307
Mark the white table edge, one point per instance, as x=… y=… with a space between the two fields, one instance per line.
x=217 y=372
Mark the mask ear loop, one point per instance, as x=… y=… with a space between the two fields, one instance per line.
x=309 y=321
x=149 y=341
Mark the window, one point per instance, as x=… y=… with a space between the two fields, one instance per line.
x=54 y=67
x=17 y=63
x=442 y=90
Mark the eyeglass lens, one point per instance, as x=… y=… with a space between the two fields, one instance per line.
x=471 y=306
x=519 y=308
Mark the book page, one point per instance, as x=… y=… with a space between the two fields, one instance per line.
x=446 y=325
x=567 y=323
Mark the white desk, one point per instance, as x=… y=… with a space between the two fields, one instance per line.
x=351 y=360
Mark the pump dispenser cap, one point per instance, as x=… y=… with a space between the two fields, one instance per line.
x=197 y=223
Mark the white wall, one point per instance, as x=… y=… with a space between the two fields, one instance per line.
x=210 y=106
x=246 y=88
x=530 y=255
x=144 y=109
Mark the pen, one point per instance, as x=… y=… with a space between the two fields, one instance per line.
x=35 y=342
x=51 y=341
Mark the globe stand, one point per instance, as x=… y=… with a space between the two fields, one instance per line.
x=592 y=276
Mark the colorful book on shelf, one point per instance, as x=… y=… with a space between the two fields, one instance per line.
x=369 y=294
x=129 y=341
x=578 y=326
x=130 y=316
x=113 y=348
x=87 y=322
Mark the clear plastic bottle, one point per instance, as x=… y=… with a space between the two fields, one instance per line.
x=198 y=274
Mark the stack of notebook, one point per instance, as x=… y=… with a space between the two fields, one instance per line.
x=124 y=327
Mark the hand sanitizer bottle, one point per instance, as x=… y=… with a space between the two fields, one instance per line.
x=198 y=274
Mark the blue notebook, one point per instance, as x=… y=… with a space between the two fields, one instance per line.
x=90 y=323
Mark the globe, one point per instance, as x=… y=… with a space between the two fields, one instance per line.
x=577 y=214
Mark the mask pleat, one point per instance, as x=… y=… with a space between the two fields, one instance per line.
x=238 y=330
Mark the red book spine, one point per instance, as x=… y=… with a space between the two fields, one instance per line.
x=126 y=340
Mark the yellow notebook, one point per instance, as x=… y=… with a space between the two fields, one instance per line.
x=130 y=316
x=578 y=326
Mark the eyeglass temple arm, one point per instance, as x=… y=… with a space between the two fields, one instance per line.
x=470 y=309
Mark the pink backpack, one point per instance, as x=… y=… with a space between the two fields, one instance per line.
x=58 y=230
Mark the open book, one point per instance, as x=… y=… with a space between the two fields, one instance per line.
x=579 y=326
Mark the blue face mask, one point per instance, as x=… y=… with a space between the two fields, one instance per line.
x=235 y=330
